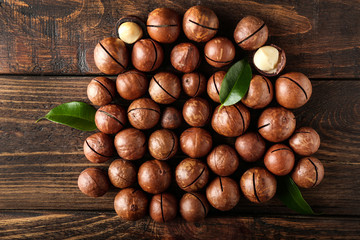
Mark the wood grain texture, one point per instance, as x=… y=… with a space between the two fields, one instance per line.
x=40 y=162
x=106 y=225
x=321 y=38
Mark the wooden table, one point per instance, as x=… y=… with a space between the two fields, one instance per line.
x=46 y=58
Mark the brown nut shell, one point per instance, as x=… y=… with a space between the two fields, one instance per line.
x=185 y=57
x=200 y=24
x=122 y=173
x=219 y=52
x=308 y=172
x=223 y=160
x=164 y=25
x=164 y=88
x=279 y=66
x=214 y=85
x=154 y=176
x=93 y=182
x=196 y=112
x=305 y=141
x=193 y=207
x=260 y=93
x=251 y=33
x=223 y=193
x=258 y=185
x=250 y=146
x=193 y=84
x=293 y=90
x=279 y=159
x=98 y=148
x=196 y=142
x=191 y=175
x=111 y=56
x=143 y=113
x=163 y=207
x=163 y=144
x=130 y=144
x=171 y=118
x=276 y=124
x=110 y=119
x=131 y=84
x=101 y=91
x=131 y=204
x=231 y=121
x=147 y=55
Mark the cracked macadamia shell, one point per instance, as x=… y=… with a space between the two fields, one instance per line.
x=293 y=90
x=196 y=142
x=223 y=160
x=163 y=144
x=214 y=85
x=258 y=185
x=308 y=172
x=122 y=173
x=305 y=141
x=143 y=113
x=276 y=124
x=191 y=175
x=250 y=146
x=131 y=204
x=231 y=121
x=130 y=29
x=269 y=60
x=251 y=33
x=165 y=88
x=196 y=112
x=130 y=144
x=154 y=176
x=200 y=24
x=93 y=182
x=279 y=159
x=223 y=193
x=260 y=93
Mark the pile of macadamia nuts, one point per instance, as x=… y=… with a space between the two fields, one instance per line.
x=146 y=131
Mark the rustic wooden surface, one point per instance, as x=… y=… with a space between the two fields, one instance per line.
x=321 y=38
x=40 y=162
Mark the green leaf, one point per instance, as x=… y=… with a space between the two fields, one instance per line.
x=290 y=195
x=236 y=83
x=77 y=115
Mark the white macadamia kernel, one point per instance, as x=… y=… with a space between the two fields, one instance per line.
x=130 y=32
x=266 y=59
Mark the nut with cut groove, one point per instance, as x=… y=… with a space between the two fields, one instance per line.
x=258 y=185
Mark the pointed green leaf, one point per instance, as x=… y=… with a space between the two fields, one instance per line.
x=290 y=195
x=236 y=83
x=77 y=115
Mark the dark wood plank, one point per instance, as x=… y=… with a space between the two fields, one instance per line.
x=40 y=162
x=105 y=225
x=321 y=38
